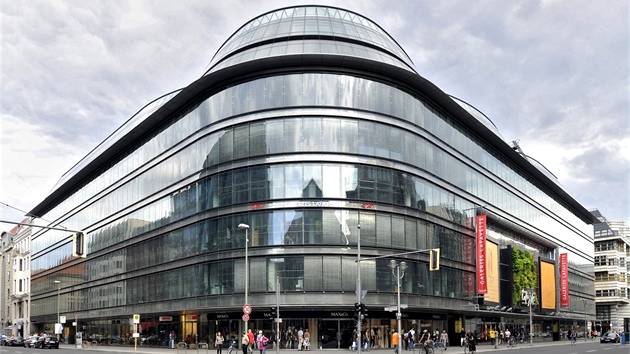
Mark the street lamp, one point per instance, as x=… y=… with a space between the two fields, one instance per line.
x=358 y=289
x=58 y=291
x=584 y=301
x=246 y=227
x=530 y=300
x=398 y=267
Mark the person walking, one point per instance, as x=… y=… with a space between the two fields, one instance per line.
x=261 y=342
x=395 y=341
x=462 y=337
x=218 y=342
x=245 y=343
x=411 y=336
x=472 y=342
x=250 y=336
x=444 y=339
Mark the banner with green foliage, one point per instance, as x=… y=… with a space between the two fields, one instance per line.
x=524 y=274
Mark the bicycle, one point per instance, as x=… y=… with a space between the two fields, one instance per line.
x=466 y=347
x=511 y=342
x=427 y=347
x=233 y=348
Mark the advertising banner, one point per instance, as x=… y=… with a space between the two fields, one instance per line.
x=480 y=227
x=564 y=280
x=547 y=285
x=492 y=268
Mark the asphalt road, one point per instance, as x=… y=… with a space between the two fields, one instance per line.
x=563 y=347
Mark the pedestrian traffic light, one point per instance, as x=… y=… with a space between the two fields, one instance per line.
x=274 y=312
x=78 y=245
x=357 y=311
x=434 y=259
x=364 y=310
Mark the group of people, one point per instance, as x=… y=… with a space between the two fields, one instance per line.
x=292 y=336
x=260 y=342
x=426 y=339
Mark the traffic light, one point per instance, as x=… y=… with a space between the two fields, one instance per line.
x=78 y=244
x=434 y=259
x=364 y=311
x=274 y=312
x=357 y=311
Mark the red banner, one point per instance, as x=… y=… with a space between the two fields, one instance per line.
x=564 y=280
x=480 y=227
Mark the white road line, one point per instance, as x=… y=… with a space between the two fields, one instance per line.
x=590 y=351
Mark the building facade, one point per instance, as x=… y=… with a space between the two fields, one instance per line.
x=612 y=284
x=313 y=128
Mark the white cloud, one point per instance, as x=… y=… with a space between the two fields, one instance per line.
x=553 y=74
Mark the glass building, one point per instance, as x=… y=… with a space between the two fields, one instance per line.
x=312 y=127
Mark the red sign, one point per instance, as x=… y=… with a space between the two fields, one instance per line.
x=245 y=317
x=247 y=309
x=480 y=227
x=564 y=280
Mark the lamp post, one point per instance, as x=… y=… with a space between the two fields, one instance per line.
x=246 y=227
x=358 y=287
x=530 y=300
x=397 y=267
x=58 y=291
x=585 y=301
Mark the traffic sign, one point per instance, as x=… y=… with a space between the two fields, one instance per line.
x=245 y=317
x=247 y=309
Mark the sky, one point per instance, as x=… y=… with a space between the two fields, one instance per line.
x=552 y=74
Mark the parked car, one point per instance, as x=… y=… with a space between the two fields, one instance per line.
x=47 y=342
x=29 y=342
x=14 y=341
x=610 y=337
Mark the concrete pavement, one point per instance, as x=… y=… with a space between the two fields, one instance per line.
x=483 y=348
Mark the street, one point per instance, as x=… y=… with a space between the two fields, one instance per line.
x=563 y=347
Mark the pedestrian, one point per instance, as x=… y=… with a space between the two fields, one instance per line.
x=300 y=334
x=472 y=342
x=261 y=342
x=250 y=336
x=444 y=339
x=245 y=343
x=462 y=336
x=307 y=340
x=171 y=340
x=411 y=338
x=219 y=342
x=395 y=341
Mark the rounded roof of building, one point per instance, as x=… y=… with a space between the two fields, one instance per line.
x=304 y=22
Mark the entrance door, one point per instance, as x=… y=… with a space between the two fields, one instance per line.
x=336 y=334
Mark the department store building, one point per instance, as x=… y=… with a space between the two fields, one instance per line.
x=308 y=123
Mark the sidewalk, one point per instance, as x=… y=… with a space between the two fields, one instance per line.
x=483 y=348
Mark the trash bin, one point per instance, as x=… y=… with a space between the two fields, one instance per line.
x=624 y=337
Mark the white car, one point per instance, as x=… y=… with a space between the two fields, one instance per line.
x=30 y=341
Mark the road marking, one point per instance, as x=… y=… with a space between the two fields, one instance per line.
x=590 y=351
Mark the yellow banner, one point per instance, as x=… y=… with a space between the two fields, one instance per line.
x=492 y=265
x=548 y=285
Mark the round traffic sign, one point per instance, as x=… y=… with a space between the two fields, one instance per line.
x=247 y=309
x=245 y=317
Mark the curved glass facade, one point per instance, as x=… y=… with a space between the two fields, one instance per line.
x=317 y=21
x=303 y=158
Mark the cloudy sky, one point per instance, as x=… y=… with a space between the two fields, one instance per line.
x=552 y=74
